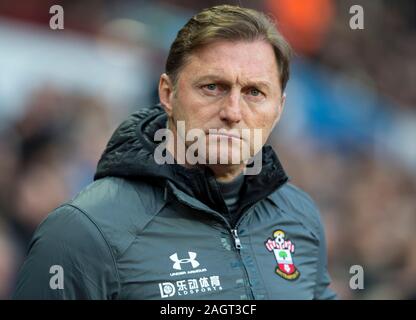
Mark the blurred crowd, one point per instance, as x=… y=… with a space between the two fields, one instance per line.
x=365 y=188
x=46 y=157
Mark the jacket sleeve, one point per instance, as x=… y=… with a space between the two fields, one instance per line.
x=68 y=258
x=323 y=280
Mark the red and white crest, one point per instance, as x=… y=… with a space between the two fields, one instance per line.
x=283 y=250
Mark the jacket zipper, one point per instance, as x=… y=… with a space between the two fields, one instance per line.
x=237 y=241
x=237 y=244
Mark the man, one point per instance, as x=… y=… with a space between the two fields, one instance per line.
x=148 y=229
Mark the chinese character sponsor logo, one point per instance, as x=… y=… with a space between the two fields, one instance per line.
x=187 y=287
x=283 y=250
x=167 y=289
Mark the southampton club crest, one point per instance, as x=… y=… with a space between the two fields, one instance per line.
x=283 y=250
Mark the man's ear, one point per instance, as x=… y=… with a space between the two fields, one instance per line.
x=280 y=108
x=166 y=93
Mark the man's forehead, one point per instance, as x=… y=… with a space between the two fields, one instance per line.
x=253 y=60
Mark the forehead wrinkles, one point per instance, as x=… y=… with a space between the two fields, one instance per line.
x=243 y=60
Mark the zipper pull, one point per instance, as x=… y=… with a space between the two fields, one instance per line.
x=237 y=241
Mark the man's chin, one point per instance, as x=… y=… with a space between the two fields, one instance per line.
x=232 y=156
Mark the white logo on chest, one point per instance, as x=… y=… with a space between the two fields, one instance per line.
x=177 y=262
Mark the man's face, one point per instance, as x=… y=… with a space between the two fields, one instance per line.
x=230 y=86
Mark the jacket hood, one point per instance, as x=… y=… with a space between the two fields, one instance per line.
x=129 y=154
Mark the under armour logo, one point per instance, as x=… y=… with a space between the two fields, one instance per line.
x=191 y=260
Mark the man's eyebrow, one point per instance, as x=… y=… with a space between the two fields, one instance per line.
x=250 y=83
x=259 y=83
x=210 y=77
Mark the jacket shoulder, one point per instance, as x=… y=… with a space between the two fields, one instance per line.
x=294 y=200
x=67 y=241
x=120 y=208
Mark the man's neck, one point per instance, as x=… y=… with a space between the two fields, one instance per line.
x=226 y=173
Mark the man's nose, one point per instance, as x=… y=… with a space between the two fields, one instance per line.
x=231 y=108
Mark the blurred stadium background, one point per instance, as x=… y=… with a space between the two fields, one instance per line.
x=347 y=136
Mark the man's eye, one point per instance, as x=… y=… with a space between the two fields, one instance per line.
x=211 y=86
x=254 y=92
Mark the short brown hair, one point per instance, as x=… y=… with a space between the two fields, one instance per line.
x=226 y=22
